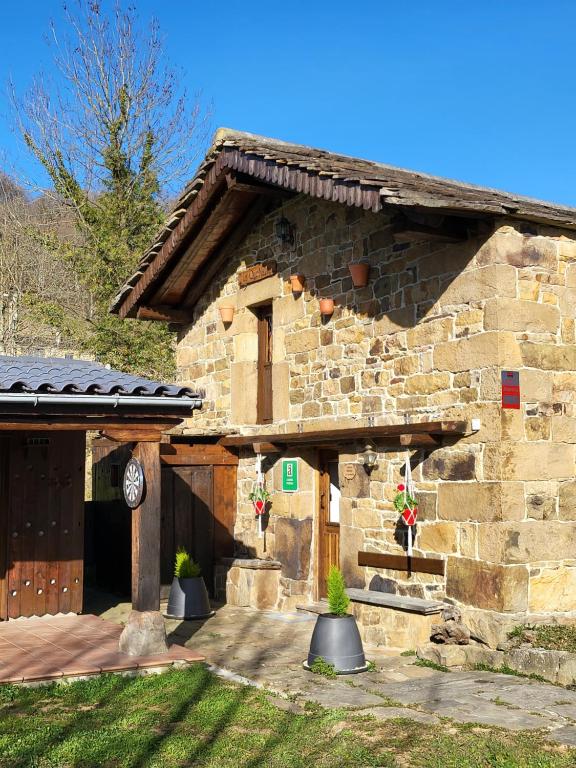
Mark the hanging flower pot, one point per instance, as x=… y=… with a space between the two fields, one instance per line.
x=297 y=283
x=359 y=273
x=259 y=496
x=327 y=307
x=227 y=314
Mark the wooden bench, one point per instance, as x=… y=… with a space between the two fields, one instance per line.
x=396 y=602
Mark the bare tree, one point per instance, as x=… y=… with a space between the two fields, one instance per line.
x=115 y=132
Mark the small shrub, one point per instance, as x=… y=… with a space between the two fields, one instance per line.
x=322 y=667
x=408 y=653
x=185 y=567
x=338 y=600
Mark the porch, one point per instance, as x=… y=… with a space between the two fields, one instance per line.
x=52 y=648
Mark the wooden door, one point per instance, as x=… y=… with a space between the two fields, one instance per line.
x=264 y=395
x=187 y=519
x=44 y=548
x=328 y=519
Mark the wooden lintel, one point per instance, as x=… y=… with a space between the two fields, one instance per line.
x=420 y=441
x=263 y=447
x=198 y=459
x=133 y=435
x=391 y=432
x=165 y=314
x=402 y=563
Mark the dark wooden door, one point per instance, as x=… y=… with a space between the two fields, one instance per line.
x=264 y=394
x=187 y=519
x=328 y=520
x=44 y=546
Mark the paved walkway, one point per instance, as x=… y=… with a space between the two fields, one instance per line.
x=55 y=647
x=267 y=649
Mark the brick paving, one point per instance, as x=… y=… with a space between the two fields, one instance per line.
x=53 y=647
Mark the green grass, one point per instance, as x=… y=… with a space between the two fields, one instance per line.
x=431 y=665
x=548 y=636
x=505 y=670
x=191 y=718
x=322 y=667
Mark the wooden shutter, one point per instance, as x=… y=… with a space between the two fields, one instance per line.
x=264 y=395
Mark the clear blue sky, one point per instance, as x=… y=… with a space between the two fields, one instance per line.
x=478 y=90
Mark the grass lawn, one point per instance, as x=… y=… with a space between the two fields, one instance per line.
x=190 y=718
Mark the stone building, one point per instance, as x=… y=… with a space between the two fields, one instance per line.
x=464 y=284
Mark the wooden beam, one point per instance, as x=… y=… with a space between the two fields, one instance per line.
x=198 y=459
x=146 y=533
x=228 y=211
x=164 y=314
x=202 y=279
x=210 y=189
x=402 y=563
x=265 y=447
x=379 y=433
x=133 y=435
x=244 y=183
x=420 y=441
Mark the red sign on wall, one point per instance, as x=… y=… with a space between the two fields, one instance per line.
x=511 y=389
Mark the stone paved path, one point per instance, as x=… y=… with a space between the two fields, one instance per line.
x=267 y=649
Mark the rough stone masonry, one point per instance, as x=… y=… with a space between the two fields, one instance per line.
x=426 y=339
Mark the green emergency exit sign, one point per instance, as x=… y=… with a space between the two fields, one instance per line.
x=289 y=475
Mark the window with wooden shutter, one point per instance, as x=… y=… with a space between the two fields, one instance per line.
x=264 y=395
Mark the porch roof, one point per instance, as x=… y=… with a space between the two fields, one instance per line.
x=65 y=393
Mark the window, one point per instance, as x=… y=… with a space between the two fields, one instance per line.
x=264 y=394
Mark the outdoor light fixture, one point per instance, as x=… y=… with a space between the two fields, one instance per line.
x=369 y=458
x=284 y=230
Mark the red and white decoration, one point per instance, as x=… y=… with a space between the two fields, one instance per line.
x=410 y=511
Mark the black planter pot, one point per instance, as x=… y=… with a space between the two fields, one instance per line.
x=336 y=640
x=188 y=599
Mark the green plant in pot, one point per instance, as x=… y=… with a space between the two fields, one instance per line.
x=336 y=639
x=188 y=597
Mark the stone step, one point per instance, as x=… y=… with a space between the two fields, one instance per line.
x=397 y=602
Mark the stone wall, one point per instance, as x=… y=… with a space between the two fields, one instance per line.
x=426 y=339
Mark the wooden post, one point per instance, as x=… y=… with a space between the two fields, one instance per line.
x=146 y=533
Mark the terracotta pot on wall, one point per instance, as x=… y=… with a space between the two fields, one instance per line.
x=297 y=283
x=359 y=274
x=327 y=307
x=227 y=314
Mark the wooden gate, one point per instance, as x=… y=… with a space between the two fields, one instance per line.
x=198 y=504
x=42 y=515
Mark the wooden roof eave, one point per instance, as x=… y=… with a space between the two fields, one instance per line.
x=424 y=434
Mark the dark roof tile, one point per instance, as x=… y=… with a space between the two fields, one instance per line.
x=56 y=375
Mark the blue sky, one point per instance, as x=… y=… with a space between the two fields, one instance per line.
x=483 y=91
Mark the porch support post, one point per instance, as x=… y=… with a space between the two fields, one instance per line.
x=146 y=532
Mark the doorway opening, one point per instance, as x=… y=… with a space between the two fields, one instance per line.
x=328 y=519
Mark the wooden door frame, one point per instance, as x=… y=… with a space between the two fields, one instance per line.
x=323 y=458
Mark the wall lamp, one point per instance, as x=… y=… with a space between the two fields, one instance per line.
x=369 y=458
x=284 y=231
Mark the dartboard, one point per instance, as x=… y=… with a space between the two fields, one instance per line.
x=133 y=483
